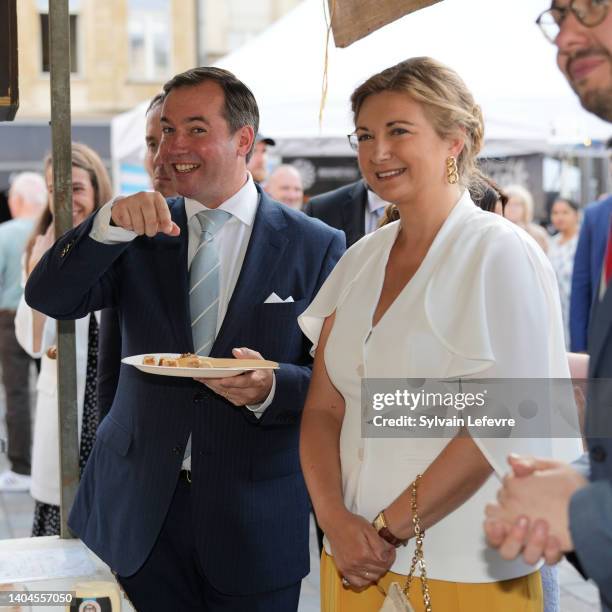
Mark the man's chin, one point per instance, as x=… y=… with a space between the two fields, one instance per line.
x=599 y=103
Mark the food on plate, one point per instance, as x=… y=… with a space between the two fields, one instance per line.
x=169 y=362
x=190 y=360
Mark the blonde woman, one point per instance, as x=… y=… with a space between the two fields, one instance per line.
x=36 y=333
x=519 y=210
x=440 y=293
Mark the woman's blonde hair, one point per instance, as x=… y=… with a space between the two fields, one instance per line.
x=446 y=101
x=87 y=159
x=525 y=198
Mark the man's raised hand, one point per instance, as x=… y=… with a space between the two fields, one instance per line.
x=144 y=213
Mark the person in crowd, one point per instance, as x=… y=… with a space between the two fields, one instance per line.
x=258 y=162
x=285 y=185
x=519 y=210
x=383 y=313
x=587 y=271
x=161 y=179
x=564 y=217
x=194 y=494
x=355 y=209
x=26 y=199
x=109 y=354
x=548 y=508
x=91 y=187
x=489 y=196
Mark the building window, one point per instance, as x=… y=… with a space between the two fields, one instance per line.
x=74 y=50
x=149 y=39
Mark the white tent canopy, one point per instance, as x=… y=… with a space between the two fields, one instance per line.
x=493 y=44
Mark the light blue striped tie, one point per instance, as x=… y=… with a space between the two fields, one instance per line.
x=204 y=291
x=204 y=282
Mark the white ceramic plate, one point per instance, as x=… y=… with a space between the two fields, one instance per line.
x=136 y=361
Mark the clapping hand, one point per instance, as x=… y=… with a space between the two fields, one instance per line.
x=531 y=516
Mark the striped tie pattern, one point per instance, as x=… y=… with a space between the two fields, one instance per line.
x=204 y=291
x=204 y=282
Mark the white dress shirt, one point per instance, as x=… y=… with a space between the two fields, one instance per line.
x=231 y=240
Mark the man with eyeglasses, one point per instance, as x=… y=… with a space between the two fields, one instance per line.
x=547 y=508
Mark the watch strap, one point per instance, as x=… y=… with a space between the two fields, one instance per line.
x=380 y=524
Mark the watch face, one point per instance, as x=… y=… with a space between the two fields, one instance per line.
x=379 y=522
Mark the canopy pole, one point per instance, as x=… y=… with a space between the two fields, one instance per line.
x=59 y=55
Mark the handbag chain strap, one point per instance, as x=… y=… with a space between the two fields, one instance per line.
x=418 y=560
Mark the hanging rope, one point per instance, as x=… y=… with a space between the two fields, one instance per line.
x=328 y=23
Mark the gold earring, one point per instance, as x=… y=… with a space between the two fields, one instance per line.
x=452 y=173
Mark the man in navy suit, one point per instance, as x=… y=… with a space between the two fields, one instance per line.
x=547 y=507
x=343 y=208
x=354 y=209
x=193 y=493
x=586 y=276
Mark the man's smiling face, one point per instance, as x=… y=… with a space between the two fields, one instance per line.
x=205 y=159
x=584 y=55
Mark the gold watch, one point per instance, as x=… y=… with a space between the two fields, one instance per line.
x=380 y=524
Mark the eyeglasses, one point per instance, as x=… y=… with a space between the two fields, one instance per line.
x=353 y=141
x=589 y=13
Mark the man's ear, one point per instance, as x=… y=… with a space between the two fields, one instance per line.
x=246 y=138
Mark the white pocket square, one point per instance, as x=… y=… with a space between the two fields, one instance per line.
x=275 y=299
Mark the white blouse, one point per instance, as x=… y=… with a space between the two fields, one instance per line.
x=483 y=303
x=45 y=485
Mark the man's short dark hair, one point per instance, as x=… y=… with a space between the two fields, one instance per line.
x=240 y=107
x=158 y=100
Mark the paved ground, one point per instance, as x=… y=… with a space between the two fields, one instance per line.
x=16 y=521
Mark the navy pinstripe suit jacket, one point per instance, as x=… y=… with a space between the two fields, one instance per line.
x=250 y=503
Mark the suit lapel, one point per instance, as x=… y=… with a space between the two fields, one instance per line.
x=264 y=253
x=173 y=276
x=354 y=213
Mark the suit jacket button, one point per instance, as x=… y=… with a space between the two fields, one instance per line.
x=598 y=454
x=198 y=397
x=177 y=450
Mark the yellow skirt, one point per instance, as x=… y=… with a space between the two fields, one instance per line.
x=518 y=595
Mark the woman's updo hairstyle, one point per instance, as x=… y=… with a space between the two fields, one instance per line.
x=447 y=103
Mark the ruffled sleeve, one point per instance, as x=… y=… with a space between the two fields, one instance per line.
x=504 y=321
x=336 y=286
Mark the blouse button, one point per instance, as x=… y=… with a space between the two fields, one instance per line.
x=360 y=370
x=360 y=454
